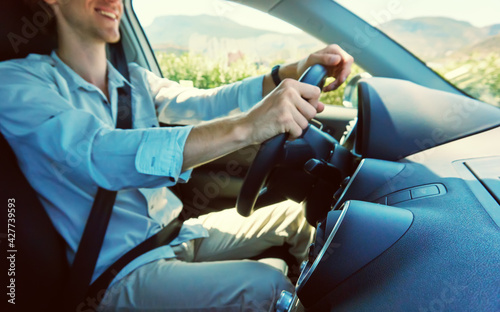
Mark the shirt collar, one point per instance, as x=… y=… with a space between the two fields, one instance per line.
x=75 y=81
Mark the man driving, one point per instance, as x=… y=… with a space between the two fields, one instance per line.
x=59 y=114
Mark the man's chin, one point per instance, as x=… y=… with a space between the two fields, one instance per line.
x=109 y=35
x=114 y=38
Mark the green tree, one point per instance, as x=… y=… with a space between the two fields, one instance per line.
x=478 y=75
x=207 y=73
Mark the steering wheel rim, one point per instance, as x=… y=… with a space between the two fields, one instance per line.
x=269 y=154
x=267 y=157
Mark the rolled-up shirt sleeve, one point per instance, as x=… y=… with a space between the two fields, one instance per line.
x=160 y=157
x=144 y=158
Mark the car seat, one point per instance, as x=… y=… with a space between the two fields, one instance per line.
x=40 y=265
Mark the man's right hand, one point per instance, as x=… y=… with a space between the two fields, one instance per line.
x=288 y=108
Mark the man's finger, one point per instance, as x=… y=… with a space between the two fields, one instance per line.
x=295 y=132
x=326 y=59
x=332 y=86
x=307 y=91
x=299 y=119
x=321 y=107
x=347 y=61
x=306 y=109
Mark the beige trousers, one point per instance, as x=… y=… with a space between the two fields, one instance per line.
x=207 y=274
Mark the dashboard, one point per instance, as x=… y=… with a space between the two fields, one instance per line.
x=397 y=118
x=417 y=225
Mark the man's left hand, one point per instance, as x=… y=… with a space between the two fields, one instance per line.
x=337 y=62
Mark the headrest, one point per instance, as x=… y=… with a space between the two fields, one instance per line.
x=21 y=30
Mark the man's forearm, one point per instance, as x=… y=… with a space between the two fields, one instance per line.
x=214 y=139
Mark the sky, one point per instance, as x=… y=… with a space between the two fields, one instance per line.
x=147 y=10
x=478 y=12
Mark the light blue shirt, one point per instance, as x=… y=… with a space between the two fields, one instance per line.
x=62 y=130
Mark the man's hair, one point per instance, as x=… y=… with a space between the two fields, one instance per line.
x=43 y=11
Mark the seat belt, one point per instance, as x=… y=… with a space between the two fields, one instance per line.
x=93 y=235
x=85 y=260
x=163 y=237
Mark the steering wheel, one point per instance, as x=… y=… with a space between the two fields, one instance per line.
x=270 y=153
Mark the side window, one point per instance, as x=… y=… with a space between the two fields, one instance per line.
x=206 y=44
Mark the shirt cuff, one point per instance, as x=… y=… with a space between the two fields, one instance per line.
x=161 y=151
x=250 y=92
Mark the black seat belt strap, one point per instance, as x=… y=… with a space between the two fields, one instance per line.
x=88 y=250
x=92 y=239
x=93 y=236
x=164 y=237
x=118 y=59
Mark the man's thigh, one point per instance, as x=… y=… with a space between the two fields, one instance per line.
x=173 y=285
x=232 y=236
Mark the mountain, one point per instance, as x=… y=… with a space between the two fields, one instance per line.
x=430 y=38
x=487 y=46
x=178 y=29
x=492 y=30
x=436 y=37
x=217 y=36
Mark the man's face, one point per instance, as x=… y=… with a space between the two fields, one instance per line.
x=91 y=19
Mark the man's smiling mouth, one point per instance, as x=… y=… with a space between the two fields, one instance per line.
x=107 y=14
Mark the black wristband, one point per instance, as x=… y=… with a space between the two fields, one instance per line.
x=275 y=75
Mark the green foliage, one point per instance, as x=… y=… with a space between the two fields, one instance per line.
x=206 y=73
x=478 y=75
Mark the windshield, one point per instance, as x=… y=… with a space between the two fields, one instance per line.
x=216 y=42
x=458 y=39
